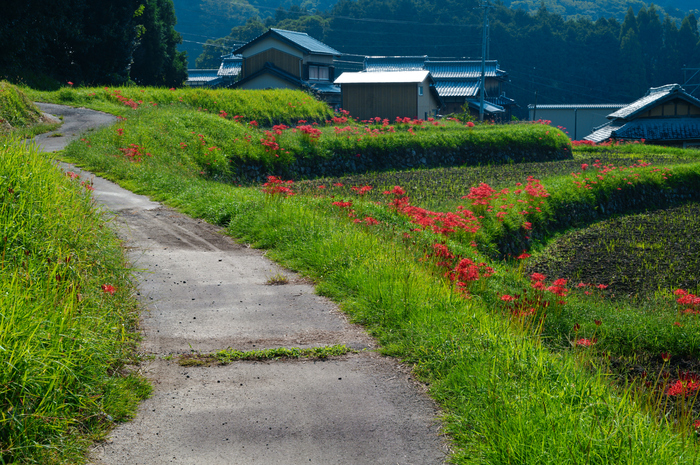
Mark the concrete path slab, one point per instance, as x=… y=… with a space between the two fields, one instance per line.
x=205 y=292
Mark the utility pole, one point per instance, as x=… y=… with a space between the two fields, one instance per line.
x=484 y=36
x=692 y=82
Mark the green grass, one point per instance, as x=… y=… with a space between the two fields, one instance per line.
x=64 y=342
x=227 y=356
x=18 y=115
x=514 y=389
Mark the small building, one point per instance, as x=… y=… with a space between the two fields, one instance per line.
x=292 y=60
x=577 y=119
x=458 y=82
x=224 y=76
x=389 y=94
x=666 y=115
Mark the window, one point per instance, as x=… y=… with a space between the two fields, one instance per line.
x=420 y=90
x=318 y=73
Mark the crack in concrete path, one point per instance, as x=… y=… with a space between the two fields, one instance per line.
x=205 y=292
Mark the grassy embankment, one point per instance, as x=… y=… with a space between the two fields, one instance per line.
x=18 y=115
x=67 y=316
x=522 y=377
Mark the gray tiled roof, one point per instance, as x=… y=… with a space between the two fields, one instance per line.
x=202 y=76
x=469 y=69
x=653 y=96
x=307 y=42
x=603 y=133
x=488 y=107
x=408 y=63
x=230 y=65
x=457 y=88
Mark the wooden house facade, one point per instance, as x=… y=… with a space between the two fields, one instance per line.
x=389 y=95
x=288 y=59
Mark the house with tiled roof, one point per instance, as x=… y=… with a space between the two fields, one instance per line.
x=224 y=76
x=666 y=115
x=458 y=82
x=289 y=59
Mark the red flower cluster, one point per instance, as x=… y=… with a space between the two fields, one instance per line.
x=275 y=186
x=109 y=289
x=134 y=152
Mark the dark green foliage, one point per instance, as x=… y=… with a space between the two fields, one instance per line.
x=156 y=59
x=90 y=42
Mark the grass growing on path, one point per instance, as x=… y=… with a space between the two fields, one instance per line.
x=66 y=315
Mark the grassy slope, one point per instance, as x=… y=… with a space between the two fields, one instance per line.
x=64 y=341
x=508 y=398
x=18 y=115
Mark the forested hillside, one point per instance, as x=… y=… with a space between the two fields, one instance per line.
x=563 y=61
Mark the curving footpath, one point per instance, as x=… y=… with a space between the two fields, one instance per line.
x=205 y=292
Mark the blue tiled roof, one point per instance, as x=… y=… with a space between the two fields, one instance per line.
x=651 y=129
x=202 y=77
x=501 y=101
x=488 y=107
x=307 y=42
x=457 y=88
x=325 y=88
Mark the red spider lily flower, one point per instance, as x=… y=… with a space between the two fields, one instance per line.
x=527 y=225
x=677 y=323
x=253 y=123
x=580 y=285
x=70 y=83
x=539 y=285
x=681 y=387
x=537 y=277
x=602 y=286
x=665 y=356
x=370 y=221
x=577 y=327
x=342 y=204
x=584 y=166
x=597 y=322
x=321 y=187
x=585 y=342
x=559 y=282
x=523 y=256
x=470 y=124
x=680 y=292
x=338 y=184
x=507 y=298
x=109 y=289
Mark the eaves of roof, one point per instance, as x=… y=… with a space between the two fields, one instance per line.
x=299 y=40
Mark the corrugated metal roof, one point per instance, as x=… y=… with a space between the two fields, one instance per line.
x=307 y=42
x=463 y=69
x=381 y=77
x=398 y=63
x=575 y=106
x=457 y=88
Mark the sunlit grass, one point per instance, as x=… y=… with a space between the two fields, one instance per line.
x=66 y=315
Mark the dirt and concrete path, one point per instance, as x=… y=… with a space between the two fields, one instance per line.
x=205 y=292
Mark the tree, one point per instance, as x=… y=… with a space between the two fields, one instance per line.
x=156 y=59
